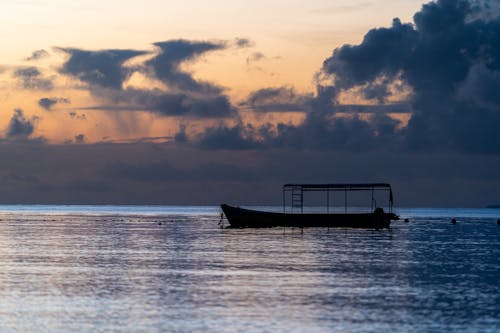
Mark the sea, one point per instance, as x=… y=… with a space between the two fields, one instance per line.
x=173 y=269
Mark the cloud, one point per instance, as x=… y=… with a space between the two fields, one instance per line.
x=255 y=57
x=243 y=42
x=105 y=68
x=38 y=54
x=102 y=68
x=105 y=73
x=80 y=138
x=184 y=175
x=450 y=59
x=238 y=137
x=381 y=54
x=166 y=65
x=165 y=171
x=144 y=172
x=16 y=178
x=31 y=78
x=322 y=129
x=181 y=136
x=375 y=109
x=48 y=102
x=486 y=9
x=19 y=126
x=166 y=103
x=85 y=186
x=75 y=115
x=277 y=99
x=353 y=133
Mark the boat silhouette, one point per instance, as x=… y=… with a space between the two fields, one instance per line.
x=294 y=214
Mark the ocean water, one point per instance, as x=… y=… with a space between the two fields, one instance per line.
x=171 y=269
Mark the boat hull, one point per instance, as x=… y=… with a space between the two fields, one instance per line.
x=246 y=218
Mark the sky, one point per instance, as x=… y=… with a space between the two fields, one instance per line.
x=197 y=102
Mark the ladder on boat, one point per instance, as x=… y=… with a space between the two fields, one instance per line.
x=297 y=199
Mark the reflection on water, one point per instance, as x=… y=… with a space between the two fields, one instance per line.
x=178 y=272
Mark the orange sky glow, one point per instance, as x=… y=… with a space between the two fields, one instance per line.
x=288 y=41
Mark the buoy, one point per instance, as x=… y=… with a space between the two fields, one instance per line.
x=407 y=220
x=159 y=223
x=498 y=222
x=453 y=221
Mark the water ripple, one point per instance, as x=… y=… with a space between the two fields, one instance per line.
x=179 y=272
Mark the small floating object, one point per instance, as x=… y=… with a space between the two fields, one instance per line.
x=159 y=223
x=453 y=221
x=407 y=220
x=498 y=222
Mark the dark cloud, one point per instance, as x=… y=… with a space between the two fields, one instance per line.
x=165 y=103
x=80 y=138
x=148 y=173
x=140 y=174
x=105 y=68
x=450 y=59
x=376 y=109
x=16 y=178
x=143 y=172
x=75 y=115
x=181 y=136
x=165 y=171
x=381 y=54
x=105 y=73
x=457 y=54
x=486 y=9
x=255 y=57
x=19 y=126
x=318 y=132
x=99 y=68
x=352 y=133
x=166 y=65
x=280 y=99
x=82 y=186
x=48 y=102
x=31 y=78
x=38 y=54
x=238 y=137
x=243 y=42
x=327 y=126
x=379 y=90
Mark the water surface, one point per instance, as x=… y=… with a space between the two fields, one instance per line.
x=157 y=269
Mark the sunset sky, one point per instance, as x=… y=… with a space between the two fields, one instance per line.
x=198 y=102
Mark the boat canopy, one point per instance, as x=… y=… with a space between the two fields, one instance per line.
x=339 y=187
x=297 y=191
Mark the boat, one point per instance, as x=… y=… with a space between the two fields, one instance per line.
x=295 y=214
